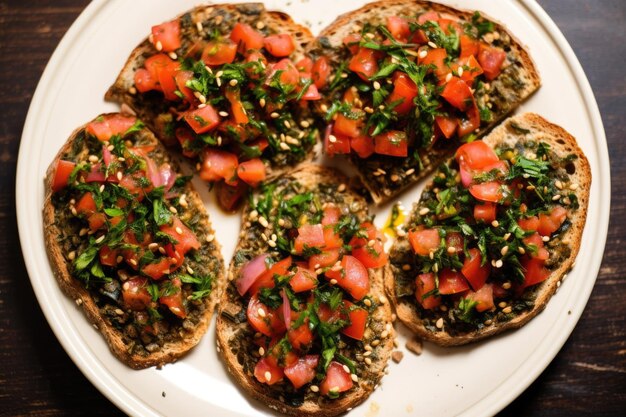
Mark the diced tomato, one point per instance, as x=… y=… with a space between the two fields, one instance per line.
x=483 y=298
x=331 y=216
x=229 y=197
x=108 y=256
x=535 y=244
x=218 y=164
x=320 y=72
x=472 y=270
x=134 y=185
x=529 y=223
x=458 y=93
x=166 y=76
x=135 y=295
x=334 y=143
x=203 y=119
x=324 y=259
x=237 y=109
x=373 y=256
x=181 y=78
x=305 y=65
x=62 y=174
x=337 y=380
x=436 y=57
x=424 y=284
x=471 y=120
x=289 y=74
x=144 y=81
x=424 y=241
x=451 y=282
x=174 y=300
x=300 y=337
x=469 y=46
x=186 y=138
x=96 y=221
x=311 y=93
x=352 y=277
x=347 y=127
x=266 y=279
x=550 y=223
x=303 y=280
x=485 y=212
x=351 y=42
x=471 y=69
x=266 y=367
x=166 y=36
x=246 y=37
x=332 y=240
x=491 y=60
x=255 y=72
x=279 y=45
x=447 y=125
x=186 y=239
x=428 y=16
x=358 y=321
x=493 y=191
x=263 y=319
x=364 y=63
x=86 y=205
x=252 y=171
x=476 y=155
x=448 y=26
x=392 y=143
x=110 y=125
x=534 y=271
x=309 y=236
x=302 y=371
x=404 y=91
x=219 y=52
x=398 y=27
x=157 y=270
x=362 y=145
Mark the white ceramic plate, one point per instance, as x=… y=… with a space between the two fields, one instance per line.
x=477 y=380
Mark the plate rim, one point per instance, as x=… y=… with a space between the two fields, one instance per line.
x=129 y=403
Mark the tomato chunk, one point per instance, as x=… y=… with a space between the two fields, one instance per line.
x=185 y=238
x=347 y=127
x=424 y=241
x=534 y=243
x=392 y=143
x=404 y=91
x=86 y=205
x=534 y=271
x=181 y=78
x=363 y=146
x=447 y=125
x=490 y=191
x=451 y=282
x=62 y=174
x=302 y=371
x=218 y=164
x=472 y=270
x=246 y=37
x=157 y=270
x=174 y=299
x=166 y=36
x=398 y=27
x=144 y=81
x=364 y=63
x=320 y=72
x=219 y=52
x=252 y=171
x=325 y=259
x=279 y=45
x=266 y=280
x=332 y=213
x=337 y=380
x=300 y=337
x=483 y=298
x=469 y=46
x=458 y=93
x=550 y=223
x=335 y=144
x=485 y=212
x=436 y=58
x=108 y=256
x=491 y=60
x=303 y=280
x=105 y=127
x=229 y=197
x=476 y=155
x=529 y=223
x=358 y=321
x=372 y=255
x=309 y=236
x=352 y=277
x=263 y=319
x=135 y=295
x=237 y=109
x=203 y=119
x=425 y=284
x=268 y=372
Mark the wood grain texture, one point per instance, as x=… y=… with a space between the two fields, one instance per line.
x=588 y=377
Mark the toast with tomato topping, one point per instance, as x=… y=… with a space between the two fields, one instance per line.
x=404 y=80
x=493 y=235
x=229 y=83
x=129 y=239
x=304 y=325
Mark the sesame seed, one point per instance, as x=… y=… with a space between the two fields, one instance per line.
x=74 y=212
x=93 y=158
x=367 y=353
x=341 y=188
x=370 y=35
x=384 y=334
x=119 y=175
x=556 y=197
x=422 y=54
x=179 y=230
x=382 y=299
x=558 y=184
x=199 y=26
x=332 y=138
x=271 y=243
x=274 y=115
x=354 y=377
x=439 y=323
x=264 y=237
x=261 y=351
x=499 y=263
x=101 y=188
x=367 y=302
x=119 y=259
x=521 y=250
x=504 y=250
x=233 y=82
x=159 y=46
x=210 y=237
x=268 y=376
x=190 y=269
x=133 y=262
x=394 y=178
x=507 y=310
x=281 y=222
x=371 y=243
x=546 y=238
x=333 y=281
x=460 y=71
x=488 y=322
x=263 y=221
x=262 y=102
x=223 y=114
x=506 y=236
x=218 y=19
x=502 y=304
x=368 y=361
x=260 y=25
x=448 y=77
x=345 y=368
x=132 y=90
x=573 y=186
x=495 y=223
x=432 y=44
x=376 y=85
x=173 y=210
x=406 y=267
x=410 y=171
x=287 y=124
x=83 y=232
x=314 y=388
x=71 y=255
x=451 y=249
x=173 y=55
x=261 y=312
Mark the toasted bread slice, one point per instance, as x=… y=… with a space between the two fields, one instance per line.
x=386 y=176
x=517 y=133
x=235 y=335
x=103 y=304
x=196 y=26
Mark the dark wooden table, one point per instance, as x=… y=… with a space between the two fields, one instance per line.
x=588 y=377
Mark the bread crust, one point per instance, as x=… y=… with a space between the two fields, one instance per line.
x=314 y=404
x=562 y=143
x=74 y=289
x=151 y=109
x=522 y=67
